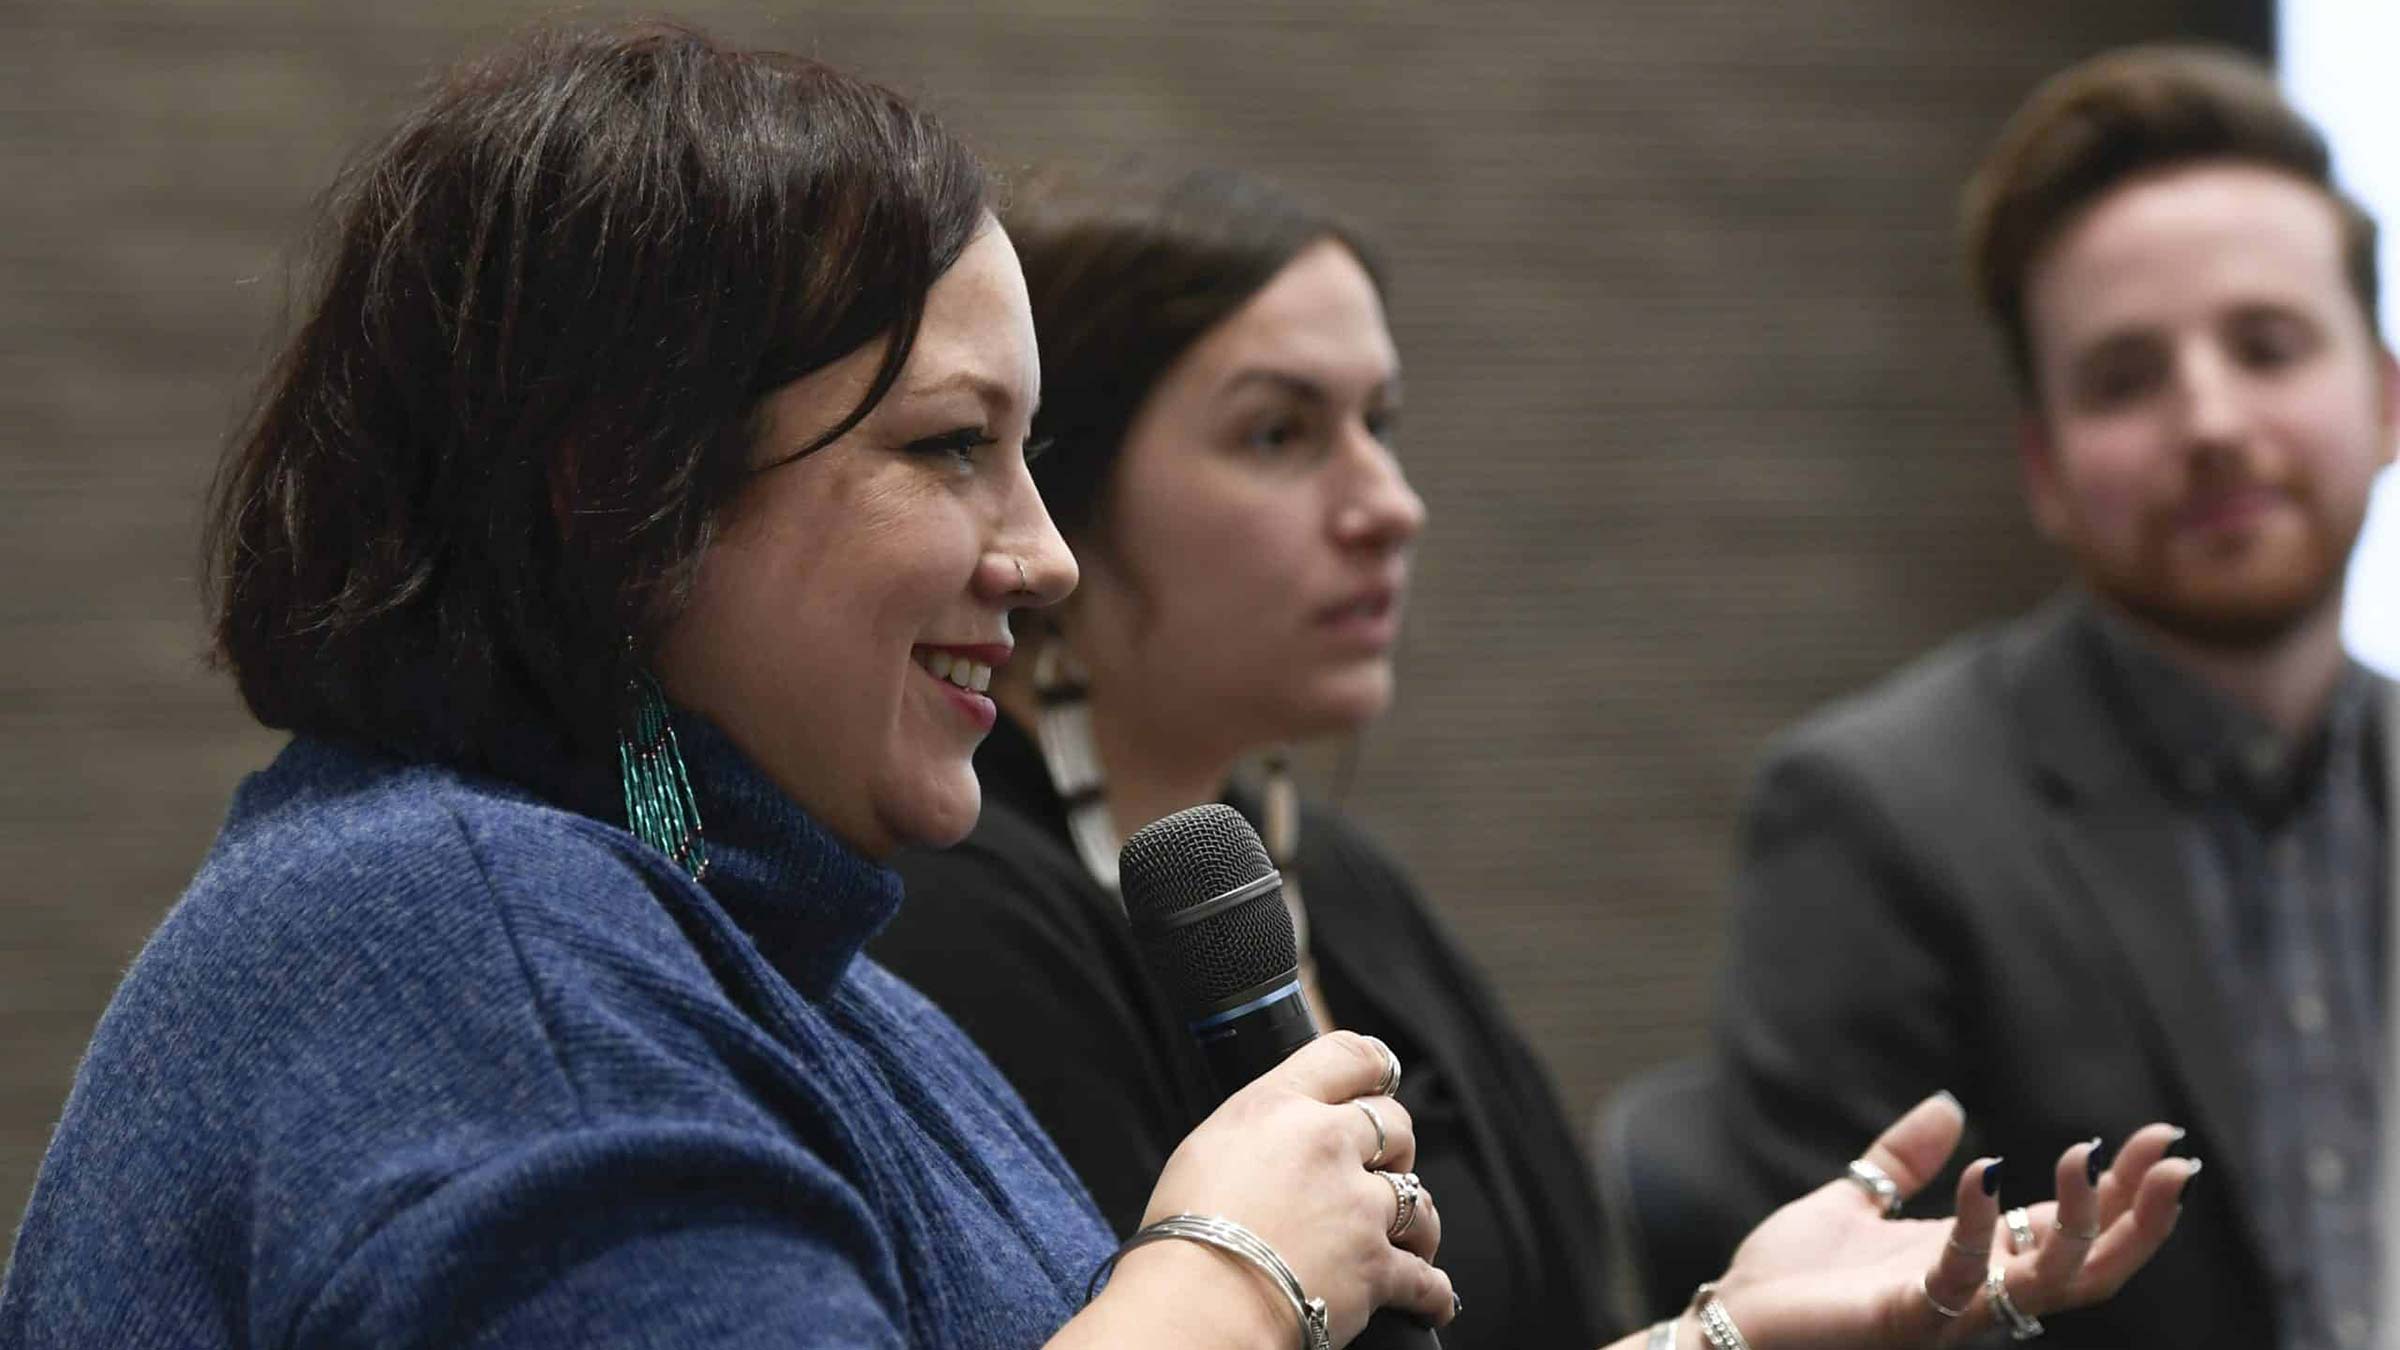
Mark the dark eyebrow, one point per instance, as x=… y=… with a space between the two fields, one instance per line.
x=1290 y=384
x=991 y=393
x=2116 y=342
x=2251 y=311
x=1302 y=388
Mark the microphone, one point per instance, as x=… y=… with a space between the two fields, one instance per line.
x=1209 y=921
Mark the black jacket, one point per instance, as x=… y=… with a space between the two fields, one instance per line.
x=1965 y=878
x=1013 y=938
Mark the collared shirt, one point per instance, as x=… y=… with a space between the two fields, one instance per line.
x=2285 y=846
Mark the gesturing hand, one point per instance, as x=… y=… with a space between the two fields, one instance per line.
x=1828 y=1270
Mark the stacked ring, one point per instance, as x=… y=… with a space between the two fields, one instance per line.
x=1391 y=1069
x=1406 y=1191
x=2020 y=1230
x=2005 y=1311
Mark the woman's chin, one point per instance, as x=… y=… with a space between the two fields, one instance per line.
x=940 y=819
x=1322 y=721
x=1349 y=704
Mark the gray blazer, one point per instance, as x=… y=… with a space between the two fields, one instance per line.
x=1962 y=878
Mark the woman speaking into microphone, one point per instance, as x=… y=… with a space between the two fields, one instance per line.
x=609 y=536
x=654 y=431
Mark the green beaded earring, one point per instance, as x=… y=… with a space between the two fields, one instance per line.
x=659 y=806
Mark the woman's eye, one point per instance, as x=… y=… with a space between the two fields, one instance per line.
x=1278 y=436
x=1383 y=424
x=959 y=445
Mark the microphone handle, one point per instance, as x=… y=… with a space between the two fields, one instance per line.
x=1254 y=1036
x=1247 y=1040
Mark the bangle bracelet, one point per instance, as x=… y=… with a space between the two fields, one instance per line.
x=1662 y=1336
x=1715 y=1323
x=1228 y=1236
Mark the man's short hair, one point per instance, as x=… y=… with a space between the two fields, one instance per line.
x=2095 y=126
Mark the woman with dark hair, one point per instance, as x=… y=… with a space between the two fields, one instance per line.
x=1218 y=393
x=1220 y=386
x=657 y=425
x=627 y=536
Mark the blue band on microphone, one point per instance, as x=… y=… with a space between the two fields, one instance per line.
x=1206 y=1027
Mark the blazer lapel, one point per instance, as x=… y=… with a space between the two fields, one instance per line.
x=2119 y=840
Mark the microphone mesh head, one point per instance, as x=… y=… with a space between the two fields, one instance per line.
x=1188 y=859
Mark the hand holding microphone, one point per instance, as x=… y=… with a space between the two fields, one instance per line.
x=1309 y=1151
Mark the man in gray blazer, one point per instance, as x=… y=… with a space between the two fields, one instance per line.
x=2126 y=858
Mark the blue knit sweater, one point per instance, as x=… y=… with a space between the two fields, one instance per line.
x=422 y=1060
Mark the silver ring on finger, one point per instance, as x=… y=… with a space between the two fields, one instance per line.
x=1381 y=1140
x=1878 y=1185
x=1978 y=1255
x=2078 y=1234
x=1406 y=1191
x=2020 y=1230
x=1390 y=1084
x=2005 y=1311
x=1948 y=1313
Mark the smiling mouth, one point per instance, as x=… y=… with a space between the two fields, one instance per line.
x=970 y=675
x=2227 y=509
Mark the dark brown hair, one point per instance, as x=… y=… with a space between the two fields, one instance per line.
x=1127 y=268
x=2096 y=125
x=487 y=461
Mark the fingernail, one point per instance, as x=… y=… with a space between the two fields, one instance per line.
x=1945 y=1095
x=1457 y=1304
x=2092 y=1163
x=2185 y=1193
x=1991 y=1177
x=2177 y=1137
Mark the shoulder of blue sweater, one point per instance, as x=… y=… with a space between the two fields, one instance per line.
x=332 y=860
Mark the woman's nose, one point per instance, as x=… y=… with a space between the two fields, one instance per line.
x=1031 y=565
x=1382 y=510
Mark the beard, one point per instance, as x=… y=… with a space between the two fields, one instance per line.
x=2242 y=592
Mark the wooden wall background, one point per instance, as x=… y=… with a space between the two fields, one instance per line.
x=1708 y=431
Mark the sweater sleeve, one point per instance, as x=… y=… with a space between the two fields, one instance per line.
x=649 y=1234
x=1028 y=967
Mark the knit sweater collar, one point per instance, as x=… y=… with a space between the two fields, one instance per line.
x=808 y=900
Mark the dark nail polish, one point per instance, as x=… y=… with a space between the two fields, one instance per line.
x=1991 y=1177
x=2092 y=1163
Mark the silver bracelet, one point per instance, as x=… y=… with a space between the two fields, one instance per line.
x=1715 y=1323
x=1662 y=1335
x=1228 y=1236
